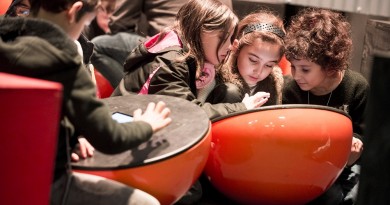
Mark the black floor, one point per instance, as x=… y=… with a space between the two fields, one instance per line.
x=210 y=195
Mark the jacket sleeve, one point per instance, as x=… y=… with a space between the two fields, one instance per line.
x=92 y=118
x=176 y=80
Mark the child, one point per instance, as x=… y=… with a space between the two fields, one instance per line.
x=21 y=8
x=318 y=45
x=253 y=63
x=250 y=67
x=170 y=62
x=130 y=24
x=42 y=46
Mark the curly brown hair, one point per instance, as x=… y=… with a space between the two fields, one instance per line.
x=229 y=71
x=321 y=36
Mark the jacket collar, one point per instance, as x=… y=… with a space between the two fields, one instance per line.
x=35 y=47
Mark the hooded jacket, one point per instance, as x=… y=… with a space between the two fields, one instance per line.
x=160 y=69
x=39 y=49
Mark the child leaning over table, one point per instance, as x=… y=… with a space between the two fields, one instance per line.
x=252 y=65
x=43 y=46
x=318 y=45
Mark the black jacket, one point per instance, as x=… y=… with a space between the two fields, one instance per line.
x=350 y=96
x=39 y=49
x=172 y=77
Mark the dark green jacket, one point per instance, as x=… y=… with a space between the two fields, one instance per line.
x=173 y=77
x=38 y=49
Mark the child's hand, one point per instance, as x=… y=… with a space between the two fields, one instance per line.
x=255 y=100
x=155 y=115
x=356 y=151
x=85 y=149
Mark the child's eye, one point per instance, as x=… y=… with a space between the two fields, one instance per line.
x=252 y=60
x=305 y=70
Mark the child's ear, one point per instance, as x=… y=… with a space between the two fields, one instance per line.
x=331 y=72
x=235 y=45
x=73 y=11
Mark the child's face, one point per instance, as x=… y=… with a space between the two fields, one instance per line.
x=210 y=41
x=255 y=62
x=103 y=14
x=307 y=74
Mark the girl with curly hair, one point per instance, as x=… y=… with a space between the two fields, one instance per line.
x=318 y=45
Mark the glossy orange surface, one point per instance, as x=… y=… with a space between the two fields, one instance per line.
x=4 y=4
x=167 y=180
x=278 y=155
x=285 y=65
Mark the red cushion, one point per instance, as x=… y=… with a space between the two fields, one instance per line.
x=104 y=88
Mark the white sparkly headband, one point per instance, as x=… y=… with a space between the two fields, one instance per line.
x=264 y=27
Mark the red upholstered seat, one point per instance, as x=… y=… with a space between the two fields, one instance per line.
x=103 y=86
x=30 y=112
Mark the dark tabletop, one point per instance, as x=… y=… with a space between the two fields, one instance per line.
x=189 y=125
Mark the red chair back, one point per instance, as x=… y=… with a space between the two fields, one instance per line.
x=30 y=112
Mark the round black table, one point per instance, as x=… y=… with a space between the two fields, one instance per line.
x=189 y=125
x=170 y=162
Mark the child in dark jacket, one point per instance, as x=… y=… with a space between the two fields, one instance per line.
x=43 y=47
x=319 y=45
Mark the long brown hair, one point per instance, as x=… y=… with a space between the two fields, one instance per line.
x=197 y=16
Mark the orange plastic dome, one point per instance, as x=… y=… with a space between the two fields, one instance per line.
x=285 y=65
x=285 y=154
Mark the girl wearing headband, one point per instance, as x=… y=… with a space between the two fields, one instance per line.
x=253 y=63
